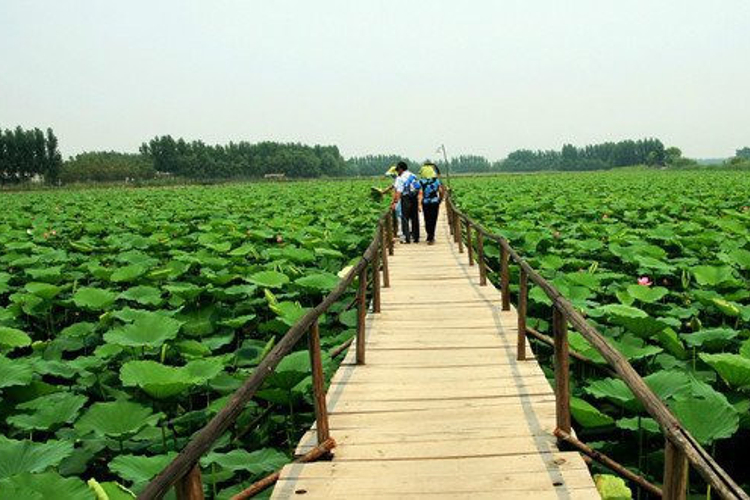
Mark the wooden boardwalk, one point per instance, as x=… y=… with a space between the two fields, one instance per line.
x=441 y=408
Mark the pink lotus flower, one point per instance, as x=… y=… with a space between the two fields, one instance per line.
x=644 y=281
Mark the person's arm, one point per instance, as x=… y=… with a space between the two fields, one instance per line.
x=442 y=192
x=420 y=197
x=396 y=199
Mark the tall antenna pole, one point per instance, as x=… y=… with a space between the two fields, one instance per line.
x=447 y=165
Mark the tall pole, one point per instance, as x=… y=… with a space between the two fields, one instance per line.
x=447 y=165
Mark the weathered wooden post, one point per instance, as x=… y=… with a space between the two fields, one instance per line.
x=675 y=472
x=562 y=373
x=319 y=388
x=376 y=277
x=480 y=259
x=190 y=487
x=505 y=276
x=361 y=314
x=459 y=234
x=384 y=249
x=391 y=231
x=523 y=299
x=469 y=246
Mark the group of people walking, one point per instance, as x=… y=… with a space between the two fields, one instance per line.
x=413 y=194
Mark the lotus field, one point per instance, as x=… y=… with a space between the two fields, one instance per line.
x=659 y=262
x=127 y=317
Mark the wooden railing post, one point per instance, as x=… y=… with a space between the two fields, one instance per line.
x=361 y=313
x=480 y=259
x=384 y=249
x=469 y=246
x=459 y=234
x=190 y=487
x=505 y=277
x=523 y=299
x=449 y=213
x=376 y=279
x=391 y=231
x=562 y=373
x=319 y=387
x=675 y=472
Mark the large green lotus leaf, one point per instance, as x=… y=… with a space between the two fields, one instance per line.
x=48 y=411
x=612 y=487
x=646 y=293
x=15 y=372
x=619 y=311
x=240 y=290
x=12 y=338
x=712 y=275
x=634 y=348
x=729 y=308
x=669 y=339
x=299 y=255
x=588 y=415
x=614 y=390
x=139 y=469
x=44 y=486
x=710 y=338
x=128 y=273
x=745 y=349
x=116 y=418
x=257 y=462
x=243 y=250
x=146 y=295
x=269 y=279
x=239 y=321
x=43 y=290
x=198 y=322
x=733 y=368
x=319 y=281
x=669 y=383
x=162 y=381
x=288 y=312
x=95 y=299
x=17 y=457
x=349 y=318
x=150 y=330
x=647 y=424
x=290 y=371
x=78 y=330
x=582 y=346
x=740 y=257
x=188 y=291
x=693 y=413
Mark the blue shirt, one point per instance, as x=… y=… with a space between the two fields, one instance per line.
x=430 y=191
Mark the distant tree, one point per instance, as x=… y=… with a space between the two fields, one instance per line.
x=107 y=166
x=27 y=155
x=743 y=153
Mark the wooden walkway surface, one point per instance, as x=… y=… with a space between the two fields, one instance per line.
x=441 y=408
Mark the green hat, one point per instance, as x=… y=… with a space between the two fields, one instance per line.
x=391 y=172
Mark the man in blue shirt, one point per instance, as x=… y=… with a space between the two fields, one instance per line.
x=408 y=191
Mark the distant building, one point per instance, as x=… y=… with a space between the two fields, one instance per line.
x=277 y=177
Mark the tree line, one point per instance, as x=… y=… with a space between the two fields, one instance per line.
x=197 y=160
x=27 y=155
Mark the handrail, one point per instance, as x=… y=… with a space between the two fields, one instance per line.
x=183 y=472
x=680 y=446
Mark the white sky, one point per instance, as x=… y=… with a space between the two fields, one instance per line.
x=395 y=76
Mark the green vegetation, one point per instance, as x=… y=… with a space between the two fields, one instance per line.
x=27 y=155
x=197 y=160
x=660 y=263
x=107 y=167
x=127 y=317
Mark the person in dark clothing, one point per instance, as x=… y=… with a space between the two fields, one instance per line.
x=433 y=192
x=408 y=191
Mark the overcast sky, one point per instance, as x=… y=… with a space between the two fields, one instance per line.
x=396 y=76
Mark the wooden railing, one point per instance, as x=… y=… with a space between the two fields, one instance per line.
x=680 y=449
x=183 y=473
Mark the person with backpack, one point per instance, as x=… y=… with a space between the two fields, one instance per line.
x=408 y=192
x=433 y=192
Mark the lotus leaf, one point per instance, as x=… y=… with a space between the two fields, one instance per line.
x=17 y=457
x=13 y=338
x=45 y=485
x=116 y=419
x=96 y=299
